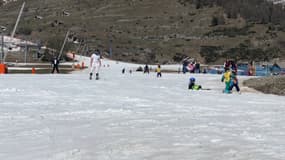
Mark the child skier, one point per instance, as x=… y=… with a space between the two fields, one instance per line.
x=227 y=79
x=95 y=64
x=234 y=81
x=158 y=70
x=192 y=84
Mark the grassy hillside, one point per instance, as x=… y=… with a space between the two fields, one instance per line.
x=148 y=31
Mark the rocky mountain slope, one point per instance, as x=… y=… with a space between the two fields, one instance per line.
x=146 y=31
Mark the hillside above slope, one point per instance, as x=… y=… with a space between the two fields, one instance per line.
x=147 y=31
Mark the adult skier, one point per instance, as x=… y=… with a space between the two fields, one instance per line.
x=95 y=64
x=55 y=64
x=146 y=69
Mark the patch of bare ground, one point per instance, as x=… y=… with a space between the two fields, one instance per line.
x=268 y=85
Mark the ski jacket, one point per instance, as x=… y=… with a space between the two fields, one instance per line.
x=194 y=86
x=234 y=78
x=55 y=61
x=226 y=77
x=95 y=60
x=158 y=70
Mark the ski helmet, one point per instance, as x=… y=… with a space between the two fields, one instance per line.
x=192 y=79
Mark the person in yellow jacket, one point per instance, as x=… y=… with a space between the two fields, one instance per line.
x=227 y=79
x=158 y=70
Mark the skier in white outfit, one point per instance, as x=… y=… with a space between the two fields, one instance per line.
x=95 y=64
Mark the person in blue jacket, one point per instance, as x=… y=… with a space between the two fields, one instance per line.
x=275 y=69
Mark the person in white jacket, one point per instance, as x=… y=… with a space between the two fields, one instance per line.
x=95 y=64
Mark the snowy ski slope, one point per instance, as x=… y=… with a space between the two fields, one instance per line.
x=135 y=117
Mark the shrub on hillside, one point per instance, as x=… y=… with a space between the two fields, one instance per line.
x=229 y=32
x=215 y=21
x=243 y=52
x=25 y=30
x=256 y=11
x=178 y=57
x=210 y=53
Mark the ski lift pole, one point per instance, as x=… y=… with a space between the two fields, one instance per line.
x=86 y=51
x=26 y=50
x=78 y=49
x=110 y=45
x=18 y=19
x=2 y=47
x=80 y=59
x=62 y=47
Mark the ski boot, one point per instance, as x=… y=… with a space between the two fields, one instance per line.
x=97 y=76
x=90 y=77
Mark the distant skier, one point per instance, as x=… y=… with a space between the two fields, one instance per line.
x=192 y=85
x=197 y=68
x=158 y=70
x=184 y=67
x=55 y=64
x=227 y=79
x=95 y=64
x=275 y=69
x=251 y=69
x=227 y=64
x=191 y=67
x=205 y=71
x=234 y=66
x=146 y=69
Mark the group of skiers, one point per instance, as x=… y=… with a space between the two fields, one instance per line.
x=230 y=64
x=146 y=70
x=229 y=77
x=192 y=67
x=95 y=64
x=231 y=80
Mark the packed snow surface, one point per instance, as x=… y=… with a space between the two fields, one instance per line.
x=135 y=117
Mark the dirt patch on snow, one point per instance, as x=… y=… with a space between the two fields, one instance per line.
x=268 y=85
